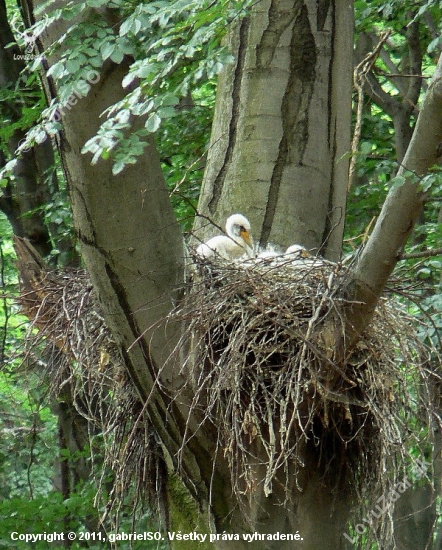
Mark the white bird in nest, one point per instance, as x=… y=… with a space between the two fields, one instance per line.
x=297 y=252
x=235 y=244
x=268 y=255
x=268 y=252
x=302 y=258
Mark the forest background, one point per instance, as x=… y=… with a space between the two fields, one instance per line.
x=45 y=485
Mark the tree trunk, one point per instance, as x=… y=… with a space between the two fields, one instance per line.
x=33 y=180
x=23 y=195
x=282 y=126
x=132 y=246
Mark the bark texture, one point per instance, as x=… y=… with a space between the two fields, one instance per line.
x=282 y=124
x=281 y=127
x=133 y=250
x=125 y=223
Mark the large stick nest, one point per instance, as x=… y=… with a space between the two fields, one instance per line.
x=267 y=368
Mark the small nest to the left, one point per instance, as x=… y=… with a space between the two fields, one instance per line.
x=83 y=368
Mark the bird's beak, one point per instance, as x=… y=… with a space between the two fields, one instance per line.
x=246 y=236
x=305 y=254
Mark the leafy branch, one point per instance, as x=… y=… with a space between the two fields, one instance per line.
x=170 y=47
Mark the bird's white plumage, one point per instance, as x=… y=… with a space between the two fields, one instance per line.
x=268 y=255
x=234 y=245
x=296 y=251
x=269 y=251
x=301 y=258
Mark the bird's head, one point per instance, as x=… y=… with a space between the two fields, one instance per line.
x=238 y=225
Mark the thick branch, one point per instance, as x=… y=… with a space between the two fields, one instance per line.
x=399 y=108
x=423 y=254
x=365 y=45
x=398 y=214
x=132 y=247
x=394 y=73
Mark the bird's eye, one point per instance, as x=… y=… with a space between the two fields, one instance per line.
x=242 y=229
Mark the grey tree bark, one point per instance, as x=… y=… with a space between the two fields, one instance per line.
x=280 y=132
x=282 y=126
x=133 y=249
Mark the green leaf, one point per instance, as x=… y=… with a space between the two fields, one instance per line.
x=126 y=26
x=143 y=108
x=40 y=136
x=107 y=49
x=72 y=65
x=128 y=79
x=428 y=181
x=166 y=112
x=397 y=181
x=57 y=70
x=153 y=123
x=96 y=3
x=136 y=26
x=118 y=167
x=145 y=70
x=117 y=56
x=170 y=100
x=96 y=62
x=433 y=45
x=366 y=148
